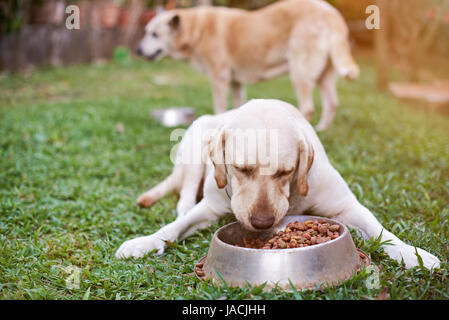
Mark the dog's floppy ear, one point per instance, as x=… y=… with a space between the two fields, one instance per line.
x=175 y=22
x=306 y=154
x=216 y=146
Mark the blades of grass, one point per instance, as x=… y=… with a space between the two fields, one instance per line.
x=374 y=244
x=86 y=294
x=258 y=290
x=151 y=252
x=420 y=261
x=425 y=290
x=295 y=292
x=177 y=246
x=222 y=280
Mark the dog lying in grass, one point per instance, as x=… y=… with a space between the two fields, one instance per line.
x=306 y=38
x=262 y=162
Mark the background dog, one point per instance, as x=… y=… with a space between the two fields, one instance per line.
x=306 y=38
x=297 y=178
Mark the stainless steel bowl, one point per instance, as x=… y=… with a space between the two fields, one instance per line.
x=327 y=263
x=172 y=117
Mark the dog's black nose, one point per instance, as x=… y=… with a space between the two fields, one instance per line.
x=139 y=51
x=262 y=222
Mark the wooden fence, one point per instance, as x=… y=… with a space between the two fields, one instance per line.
x=50 y=45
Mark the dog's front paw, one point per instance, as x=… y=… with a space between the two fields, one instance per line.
x=408 y=253
x=139 y=247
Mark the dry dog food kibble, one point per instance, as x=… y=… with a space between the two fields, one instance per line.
x=296 y=235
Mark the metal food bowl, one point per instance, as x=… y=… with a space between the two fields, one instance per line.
x=172 y=117
x=326 y=264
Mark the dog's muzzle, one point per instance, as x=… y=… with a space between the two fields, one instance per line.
x=153 y=56
x=262 y=222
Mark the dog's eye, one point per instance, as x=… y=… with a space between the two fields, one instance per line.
x=282 y=173
x=244 y=170
x=154 y=34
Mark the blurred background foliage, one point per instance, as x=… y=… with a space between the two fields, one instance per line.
x=412 y=45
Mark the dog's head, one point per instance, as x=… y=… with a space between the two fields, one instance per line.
x=165 y=36
x=261 y=157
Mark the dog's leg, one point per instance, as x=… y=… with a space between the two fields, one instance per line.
x=304 y=93
x=329 y=97
x=307 y=57
x=138 y=247
x=170 y=183
x=220 y=88
x=357 y=216
x=238 y=94
x=193 y=174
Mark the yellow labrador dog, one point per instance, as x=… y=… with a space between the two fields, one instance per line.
x=261 y=161
x=306 y=38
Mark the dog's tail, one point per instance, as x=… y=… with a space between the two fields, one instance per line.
x=342 y=60
x=169 y=184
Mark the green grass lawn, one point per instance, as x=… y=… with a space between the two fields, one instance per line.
x=69 y=180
